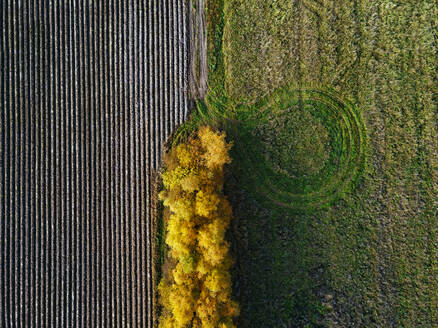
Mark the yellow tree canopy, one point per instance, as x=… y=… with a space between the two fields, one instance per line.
x=197 y=293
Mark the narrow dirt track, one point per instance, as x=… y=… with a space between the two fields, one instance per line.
x=198 y=71
x=90 y=91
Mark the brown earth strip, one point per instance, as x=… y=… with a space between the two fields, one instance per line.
x=198 y=77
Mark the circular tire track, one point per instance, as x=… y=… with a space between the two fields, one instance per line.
x=345 y=162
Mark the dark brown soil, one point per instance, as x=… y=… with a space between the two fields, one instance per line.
x=89 y=92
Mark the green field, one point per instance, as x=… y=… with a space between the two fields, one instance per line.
x=332 y=107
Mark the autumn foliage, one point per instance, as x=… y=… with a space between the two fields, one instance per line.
x=196 y=292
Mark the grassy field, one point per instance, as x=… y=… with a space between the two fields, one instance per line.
x=332 y=107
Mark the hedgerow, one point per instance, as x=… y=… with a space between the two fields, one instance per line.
x=196 y=291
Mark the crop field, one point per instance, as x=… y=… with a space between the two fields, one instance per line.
x=332 y=108
x=89 y=93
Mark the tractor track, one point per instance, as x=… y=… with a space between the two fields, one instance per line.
x=89 y=93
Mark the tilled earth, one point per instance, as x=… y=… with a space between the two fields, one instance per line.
x=90 y=90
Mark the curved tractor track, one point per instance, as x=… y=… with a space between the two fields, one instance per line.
x=276 y=141
x=90 y=91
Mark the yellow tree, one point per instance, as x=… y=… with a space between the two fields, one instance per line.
x=197 y=293
x=216 y=148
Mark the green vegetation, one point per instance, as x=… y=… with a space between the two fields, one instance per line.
x=333 y=112
x=303 y=148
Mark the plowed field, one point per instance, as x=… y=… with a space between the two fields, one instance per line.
x=90 y=90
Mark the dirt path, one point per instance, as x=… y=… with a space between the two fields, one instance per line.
x=198 y=78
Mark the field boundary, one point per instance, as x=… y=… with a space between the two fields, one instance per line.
x=198 y=75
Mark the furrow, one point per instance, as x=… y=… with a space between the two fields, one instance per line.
x=70 y=203
x=100 y=196
x=120 y=215
x=130 y=157
x=62 y=166
x=179 y=55
x=3 y=106
x=148 y=158
x=139 y=162
x=7 y=153
x=142 y=32
x=165 y=73
x=181 y=68
x=135 y=141
x=18 y=245
x=106 y=252
x=152 y=132
x=83 y=223
x=175 y=63
x=52 y=169
x=46 y=107
x=161 y=106
x=112 y=163
x=155 y=72
x=122 y=154
x=39 y=246
x=94 y=217
x=185 y=63
x=77 y=167
x=33 y=222
x=59 y=151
